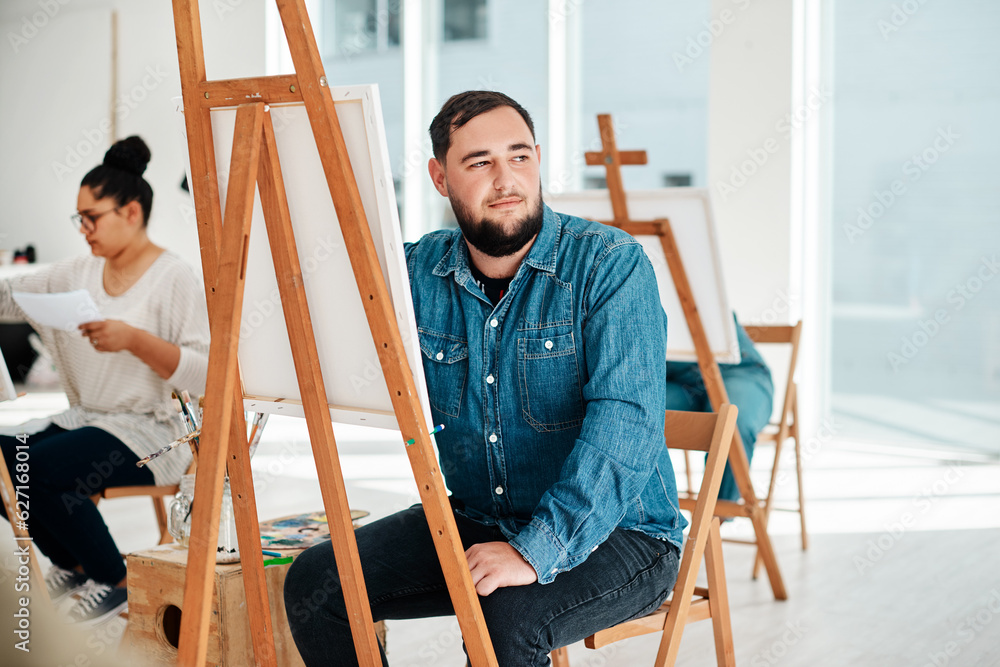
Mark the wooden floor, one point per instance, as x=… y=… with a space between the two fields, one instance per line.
x=903 y=567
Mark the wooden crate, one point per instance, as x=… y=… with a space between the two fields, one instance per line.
x=155 y=598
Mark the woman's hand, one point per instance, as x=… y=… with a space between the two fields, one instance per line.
x=114 y=336
x=109 y=335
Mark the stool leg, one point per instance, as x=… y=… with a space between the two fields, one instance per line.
x=798 y=473
x=687 y=473
x=560 y=657
x=718 y=598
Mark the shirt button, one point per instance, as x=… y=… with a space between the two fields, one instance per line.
x=499 y=490
x=489 y=379
x=440 y=356
x=548 y=345
x=494 y=322
x=493 y=437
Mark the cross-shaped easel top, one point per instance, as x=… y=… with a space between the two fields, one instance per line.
x=612 y=159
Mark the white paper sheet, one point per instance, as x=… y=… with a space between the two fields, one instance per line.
x=60 y=310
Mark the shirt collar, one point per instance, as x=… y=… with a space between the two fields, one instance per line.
x=542 y=255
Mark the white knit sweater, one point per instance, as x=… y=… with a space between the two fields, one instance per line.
x=116 y=391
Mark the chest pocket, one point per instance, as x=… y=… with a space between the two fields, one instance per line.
x=446 y=365
x=549 y=382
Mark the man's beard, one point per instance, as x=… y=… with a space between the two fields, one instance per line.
x=490 y=238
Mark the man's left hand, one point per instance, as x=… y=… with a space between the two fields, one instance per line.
x=497 y=564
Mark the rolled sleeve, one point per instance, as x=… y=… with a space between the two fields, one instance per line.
x=189 y=331
x=191 y=371
x=543 y=550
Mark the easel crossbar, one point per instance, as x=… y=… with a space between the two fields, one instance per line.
x=268 y=89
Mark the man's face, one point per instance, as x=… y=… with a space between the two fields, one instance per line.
x=491 y=177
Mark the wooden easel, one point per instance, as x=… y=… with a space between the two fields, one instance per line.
x=612 y=159
x=223 y=254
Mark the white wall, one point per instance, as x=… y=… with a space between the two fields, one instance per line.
x=36 y=203
x=749 y=153
x=768 y=105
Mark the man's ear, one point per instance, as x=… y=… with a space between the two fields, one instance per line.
x=436 y=170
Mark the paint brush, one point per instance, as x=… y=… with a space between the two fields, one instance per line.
x=163 y=450
x=437 y=429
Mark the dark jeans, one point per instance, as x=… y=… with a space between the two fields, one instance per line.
x=64 y=469
x=629 y=575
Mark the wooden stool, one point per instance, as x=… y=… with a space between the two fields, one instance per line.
x=155 y=597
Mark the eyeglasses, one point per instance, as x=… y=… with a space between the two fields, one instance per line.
x=87 y=222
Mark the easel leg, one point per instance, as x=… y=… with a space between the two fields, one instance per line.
x=313 y=392
x=717 y=396
x=718 y=598
x=248 y=536
x=741 y=473
x=225 y=308
x=381 y=321
x=769 y=499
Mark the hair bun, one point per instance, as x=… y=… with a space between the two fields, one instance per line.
x=130 y=154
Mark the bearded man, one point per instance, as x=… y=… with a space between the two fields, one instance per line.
x=544 y=347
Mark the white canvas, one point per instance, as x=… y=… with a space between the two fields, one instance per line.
x=355 y=385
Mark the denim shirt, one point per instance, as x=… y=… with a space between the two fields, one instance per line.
x=553 y=401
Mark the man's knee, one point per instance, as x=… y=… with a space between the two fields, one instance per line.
x=313 y=584
x=518 y=631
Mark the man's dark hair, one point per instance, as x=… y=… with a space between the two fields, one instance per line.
x=463 y=107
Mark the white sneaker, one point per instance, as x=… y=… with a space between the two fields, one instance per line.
x=98 y=602
x=61 y=583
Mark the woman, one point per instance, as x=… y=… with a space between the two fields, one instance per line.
x=117 y=374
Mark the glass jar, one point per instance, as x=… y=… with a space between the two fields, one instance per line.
x=179 y=520
x=228 y=550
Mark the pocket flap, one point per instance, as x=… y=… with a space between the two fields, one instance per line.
x=442 y=348
x=540 y=348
